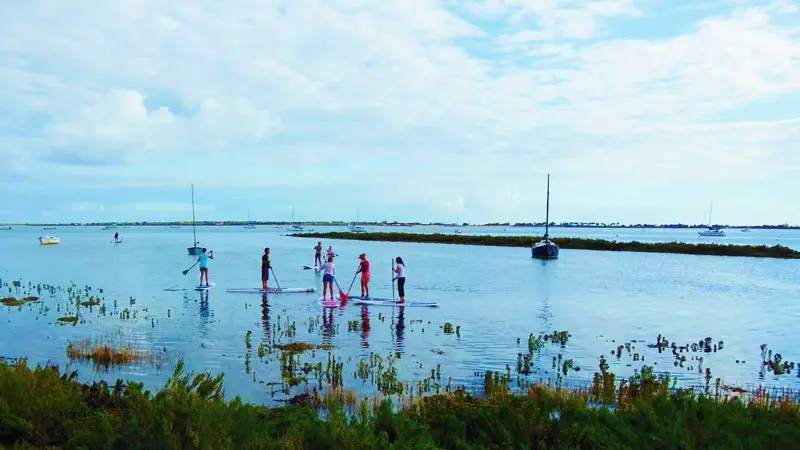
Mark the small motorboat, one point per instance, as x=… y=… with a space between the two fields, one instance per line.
x=49 y=240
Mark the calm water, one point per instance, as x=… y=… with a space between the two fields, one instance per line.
x=495 y=295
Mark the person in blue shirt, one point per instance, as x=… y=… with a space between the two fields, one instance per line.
x=203 y=259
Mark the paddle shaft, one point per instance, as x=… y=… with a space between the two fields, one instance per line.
x=276 y=277
x=351 y=283
x=392 y=279
x=190 y=268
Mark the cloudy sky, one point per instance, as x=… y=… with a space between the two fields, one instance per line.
x=428 y=110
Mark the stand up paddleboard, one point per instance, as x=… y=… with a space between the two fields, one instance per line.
x=316 y=268
x=204 y=287
x=389 y=302
x=271 y=290
x=335 y=303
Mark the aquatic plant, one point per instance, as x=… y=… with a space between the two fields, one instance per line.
x=105 y=354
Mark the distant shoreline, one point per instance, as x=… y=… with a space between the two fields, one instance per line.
x=761 y=251
x=402 y=224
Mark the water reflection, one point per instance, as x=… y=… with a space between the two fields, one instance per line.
x=328 y=329
x=399 y=329
x=205 y=313
x=265 y=317
x=364 y=326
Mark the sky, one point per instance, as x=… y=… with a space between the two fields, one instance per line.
x=641 y=111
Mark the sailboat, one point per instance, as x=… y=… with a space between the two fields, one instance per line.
x=712 y=231
x=458 y=225
x=294 y=226
x=355 y=227
x=545 y=249
x=249 y=222
x=194 y=250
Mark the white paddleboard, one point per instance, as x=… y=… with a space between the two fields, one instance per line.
x=387 y=302
x=328 y=303
x=211 y=284
x=272 y=290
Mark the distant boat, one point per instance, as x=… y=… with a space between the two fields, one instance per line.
x=49 y=228
x=249 y=225
x=457 y=230
x=195 y=250
x=545 y=249
x=712 y=231
x=294 y=226
x=354 y=227
x=6 y=228
x=745 y=230
x=49 y=240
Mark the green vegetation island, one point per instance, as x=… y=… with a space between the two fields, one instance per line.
x=43 y=408
x=776 y=251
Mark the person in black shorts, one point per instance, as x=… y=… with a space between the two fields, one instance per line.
x=265 y=266
x=318 y=255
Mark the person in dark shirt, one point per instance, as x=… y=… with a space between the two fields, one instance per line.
x=265 y=266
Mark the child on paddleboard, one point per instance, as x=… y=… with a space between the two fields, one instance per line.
x=330 y=251
x=363 y=268
x=265 y=266
x=203 y=259
x=328 y=272
x=400 y=271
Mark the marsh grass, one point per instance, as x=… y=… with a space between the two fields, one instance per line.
x=12 y=301
x=776 y=251
x=42 y=407
x=106 y=354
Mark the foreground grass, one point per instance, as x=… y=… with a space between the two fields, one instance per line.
x=40 y=407
x=763 y=251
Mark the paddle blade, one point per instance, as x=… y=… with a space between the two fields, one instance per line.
x=342 y=295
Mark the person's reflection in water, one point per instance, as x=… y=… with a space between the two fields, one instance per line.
x=400 y=329
x=205 y=314
x=327 y=325
x=265 y=317
x=364 y=326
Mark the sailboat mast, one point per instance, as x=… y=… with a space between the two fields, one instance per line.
x=194 y=231
x=547 y=214
x=710 y=210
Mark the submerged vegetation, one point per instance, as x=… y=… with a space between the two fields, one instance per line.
x=105 y=354
x=763 y=251
x=43 y=408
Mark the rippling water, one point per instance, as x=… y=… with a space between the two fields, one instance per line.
x=495 y=295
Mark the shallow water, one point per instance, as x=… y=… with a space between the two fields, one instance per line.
x=495 y=296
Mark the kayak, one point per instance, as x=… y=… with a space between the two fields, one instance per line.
x=271 y=290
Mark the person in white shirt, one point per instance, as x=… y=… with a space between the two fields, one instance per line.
x=400 y=271
x=328 y=272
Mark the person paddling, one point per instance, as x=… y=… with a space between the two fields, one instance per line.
x=328 y=273
x=318 y=254
x=400 y=272
x=363 y=268
x=265 y=266
x=116 y=236
x=203 y=259
x=330 y=251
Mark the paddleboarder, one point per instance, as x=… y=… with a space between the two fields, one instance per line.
x=265 y=266
x=330 y=251
x=400 y=272
x=363 y=269
x=318 y=254
x=116 y=236
x=203 y=259
x=328 y=272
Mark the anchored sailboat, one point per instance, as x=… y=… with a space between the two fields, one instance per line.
x=712 y=231
x=355 y=227
x=194 y=250
x=545 y=249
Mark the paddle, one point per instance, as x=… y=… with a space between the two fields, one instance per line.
x=276 y=278
x=190 y=268
x=342 y=295
x=351 y=283
x=392 y=279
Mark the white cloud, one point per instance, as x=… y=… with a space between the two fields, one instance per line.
x=469 y=111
